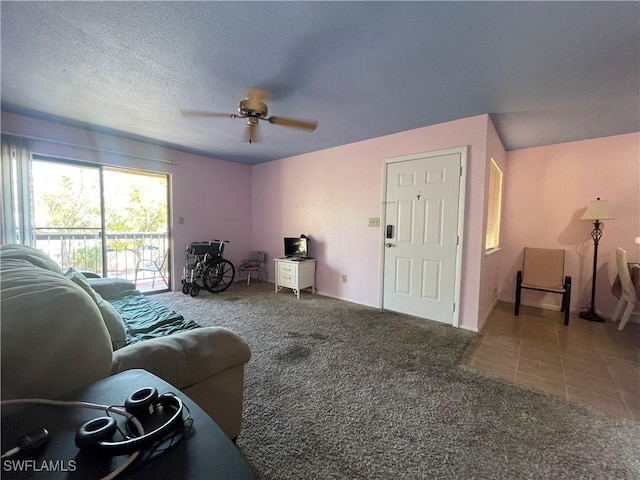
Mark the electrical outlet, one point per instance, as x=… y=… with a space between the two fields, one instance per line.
x=180 y=220
x=374 y=222
x=344 y=279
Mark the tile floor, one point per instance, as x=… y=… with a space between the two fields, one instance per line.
x=585 y=362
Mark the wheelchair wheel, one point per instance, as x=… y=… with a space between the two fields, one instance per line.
x=218 y=276
x=186 y=287
x=194 y=290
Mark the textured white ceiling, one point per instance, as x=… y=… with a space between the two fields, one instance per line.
x=546 y=72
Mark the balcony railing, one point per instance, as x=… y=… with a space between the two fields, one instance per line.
x=81 y=248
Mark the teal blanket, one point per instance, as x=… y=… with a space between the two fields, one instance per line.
x=145 y=318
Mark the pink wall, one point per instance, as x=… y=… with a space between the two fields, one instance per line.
x=330 y=195
x=547 y=189
x=213 y=196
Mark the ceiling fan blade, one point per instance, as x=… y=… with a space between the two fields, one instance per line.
x=204 y=114
x=293 y=123
x=251 y=133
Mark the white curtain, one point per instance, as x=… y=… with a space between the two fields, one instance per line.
x=15 y=212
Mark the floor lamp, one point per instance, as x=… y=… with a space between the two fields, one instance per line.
x=598 y=210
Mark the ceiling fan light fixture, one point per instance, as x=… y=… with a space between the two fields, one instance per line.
x=247 y=108
x=254 y=109
x=251 y=135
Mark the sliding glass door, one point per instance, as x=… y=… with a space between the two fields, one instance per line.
x=110 y=221
x=67 y=214
x=136 y=226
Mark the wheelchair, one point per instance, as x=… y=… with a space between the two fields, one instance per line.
x=207 y=268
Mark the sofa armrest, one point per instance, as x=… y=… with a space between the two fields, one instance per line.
x=185 y=358
x=111 y=288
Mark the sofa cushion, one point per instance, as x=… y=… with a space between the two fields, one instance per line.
x=32 y=255
x=53 y=340
x=110 y=316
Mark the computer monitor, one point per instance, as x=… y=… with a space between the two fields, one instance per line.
x=296 y=247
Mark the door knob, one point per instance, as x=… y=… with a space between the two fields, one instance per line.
x=389 y=245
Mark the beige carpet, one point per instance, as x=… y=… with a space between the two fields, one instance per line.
x=339 y=390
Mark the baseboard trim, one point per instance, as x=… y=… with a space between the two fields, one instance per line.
x=486 y=316
x=324 y=294
x=469 y=329
x=635 y=316
x=547 y=306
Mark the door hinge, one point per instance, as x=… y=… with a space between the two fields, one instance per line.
x=460 y=170
x=454 y=306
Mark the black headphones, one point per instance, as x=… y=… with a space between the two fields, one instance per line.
x=97 y=434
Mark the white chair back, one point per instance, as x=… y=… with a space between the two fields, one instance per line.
x=628 y=297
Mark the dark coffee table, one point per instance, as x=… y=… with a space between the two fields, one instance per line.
x=205 y=454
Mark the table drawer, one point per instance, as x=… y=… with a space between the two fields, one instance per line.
x=288 y=279
x=288 y=269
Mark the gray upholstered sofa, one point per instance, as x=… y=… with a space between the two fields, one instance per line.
x=59 y=334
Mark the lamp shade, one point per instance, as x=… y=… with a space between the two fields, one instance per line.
x=598 y=210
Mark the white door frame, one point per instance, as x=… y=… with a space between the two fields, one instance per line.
x=462 y=151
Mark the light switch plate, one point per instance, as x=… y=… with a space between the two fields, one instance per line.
x=374 y=222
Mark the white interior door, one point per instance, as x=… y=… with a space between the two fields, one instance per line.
x=422 y=229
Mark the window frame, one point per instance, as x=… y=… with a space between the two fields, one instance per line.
x=494 y=207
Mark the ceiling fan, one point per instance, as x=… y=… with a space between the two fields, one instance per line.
x=254 y=109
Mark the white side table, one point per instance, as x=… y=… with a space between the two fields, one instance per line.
x=296 y=275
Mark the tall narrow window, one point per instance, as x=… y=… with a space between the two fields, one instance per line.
x=494 y=207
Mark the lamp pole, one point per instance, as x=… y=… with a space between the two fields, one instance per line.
x=597 y=211
x=591 y=314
